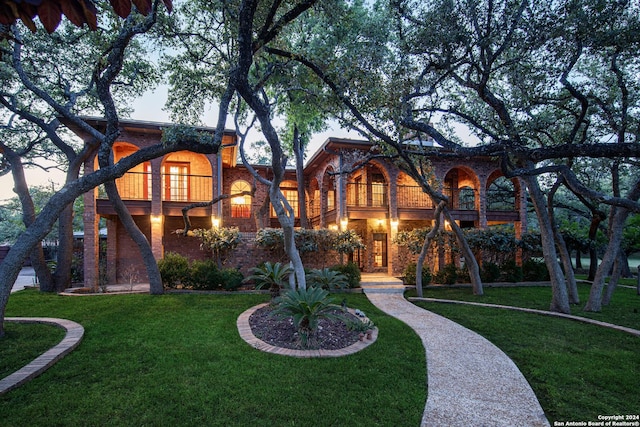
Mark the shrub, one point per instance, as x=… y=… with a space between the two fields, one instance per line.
x=534 y=270
x=490 y=272
x=448 y=275
x=352 y=272
x=231 y=278
x=306 y=307
x=174 y=269
x=270 y=275
x=511 y=272
x=204 y=275
x=410 y=278
x=326 y=279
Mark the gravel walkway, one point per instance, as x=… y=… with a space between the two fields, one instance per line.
x=470 y=381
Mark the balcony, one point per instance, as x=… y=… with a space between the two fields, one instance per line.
x=178 y=190
x=367 y=195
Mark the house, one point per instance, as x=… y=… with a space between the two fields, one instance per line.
x=376 y=200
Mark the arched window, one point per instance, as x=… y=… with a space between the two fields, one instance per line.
x=501 y=195
x=467 y=199
x=290 y=192
x=240 y=205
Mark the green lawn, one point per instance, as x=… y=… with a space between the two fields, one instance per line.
x=178 y=360
x=624 y=309
x=578 y=371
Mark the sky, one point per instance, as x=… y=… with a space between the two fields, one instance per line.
x=149 y=107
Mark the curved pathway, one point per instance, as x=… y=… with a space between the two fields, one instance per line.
x=470 y=381
x=71 y=340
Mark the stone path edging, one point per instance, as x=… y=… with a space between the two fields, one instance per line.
x=71 y=340
x=244 y=328
x=631 y=331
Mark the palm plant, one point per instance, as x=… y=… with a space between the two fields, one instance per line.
x=270 y=275
x=307 y=307
x=327 y=279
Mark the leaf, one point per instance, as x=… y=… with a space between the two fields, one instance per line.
x=50 y=15
x=143 y=6
x=74 y=12
x=121 y=7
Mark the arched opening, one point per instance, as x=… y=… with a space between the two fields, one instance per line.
x=501 y=195
x=186 y=177
x=461 y=185
x=240 y=205
x=136 y=183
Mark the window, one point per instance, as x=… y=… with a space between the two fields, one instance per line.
x=240 y=205
x=176 y=181
x=378 y=191
x=290 y=193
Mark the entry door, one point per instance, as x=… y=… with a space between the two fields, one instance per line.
x=379 y=249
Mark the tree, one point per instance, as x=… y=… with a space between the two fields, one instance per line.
x=228 y=65
x=107 y=67
x=529 y=80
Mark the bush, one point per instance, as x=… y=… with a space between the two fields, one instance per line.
x=352 y=272
x=448 y=275
x=490 y=272
x=307 y=307
x=231 y=278
x=409 y=276
x=273 y=276
x=203 y=275
x=326 y=279
x=511 y=272
x=174 y=269
x=534 y=270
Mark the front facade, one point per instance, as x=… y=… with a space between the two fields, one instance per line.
x=376 y=201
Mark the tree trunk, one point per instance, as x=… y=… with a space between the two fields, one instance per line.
x=286 y=218
x=21 y=189
x=155 y=280
x=62 y=273
x=569 y=275
x=559 y=297
x=615 y=239
x=470 y=259
x=578 y=259
x=298 y=152
x=614 y=279
x=425 y=247
x=596 y=219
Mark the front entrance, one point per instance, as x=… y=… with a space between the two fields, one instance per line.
x=379 y=250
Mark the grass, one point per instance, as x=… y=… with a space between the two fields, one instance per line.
x=578 y=371
x=24 y=342
x=178 y=360
x=624 y=309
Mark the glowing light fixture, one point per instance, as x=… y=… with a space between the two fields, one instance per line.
x=344 y=222
x=215 y=221
x=156 y=219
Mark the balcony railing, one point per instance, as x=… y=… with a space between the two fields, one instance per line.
x=463 y=199
x=175 y=188
x=365 y=195
x=187 y=188
x=135 y=186
x=411 y=196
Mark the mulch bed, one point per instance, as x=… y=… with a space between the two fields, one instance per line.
x=280 y=332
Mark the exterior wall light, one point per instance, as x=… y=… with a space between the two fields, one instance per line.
x=394 y=223
x=344 y=222
x=215 y=222
x=156 y=219
x=333 y=227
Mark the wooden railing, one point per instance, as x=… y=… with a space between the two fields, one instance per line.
x=134 y=186
x=363 y=195
x=175 y=188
